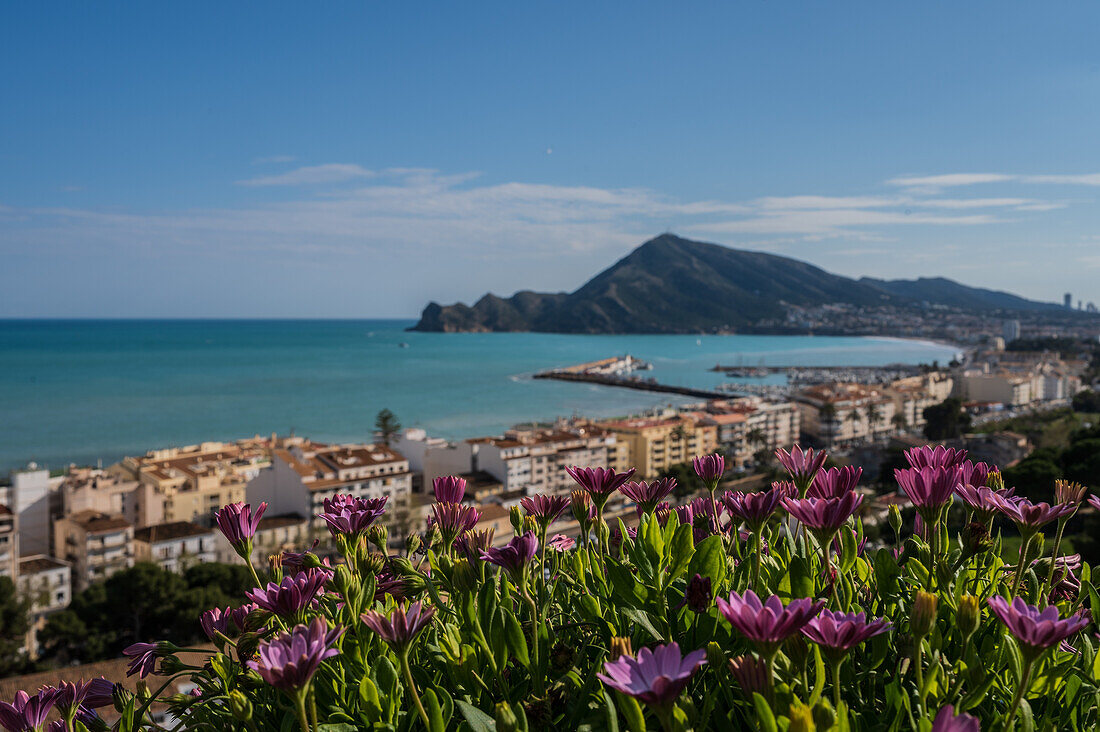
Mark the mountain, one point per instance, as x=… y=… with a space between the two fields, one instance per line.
x=675 y=285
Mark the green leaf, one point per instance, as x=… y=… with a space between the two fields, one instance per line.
x=801 y=580
x=764 y=713
x=336 y=727
x=369 y=700
x=709 y=560
x=612 y=717
x=435 y=712
x=1027 y=720
x=477 y=720
x=515 y=640
x=642 y=619
x=848 y=550
x=631 y=711
x=681 y=550
x=819 y=676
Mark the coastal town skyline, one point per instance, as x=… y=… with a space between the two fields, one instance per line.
x=355 y=162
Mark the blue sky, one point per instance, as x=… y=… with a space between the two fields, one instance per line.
x=360 y=159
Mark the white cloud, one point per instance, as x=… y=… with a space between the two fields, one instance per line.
x=273 y=159
x=311 y=175
x=950 y=179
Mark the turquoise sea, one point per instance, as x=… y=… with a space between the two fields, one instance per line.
x=86 y=390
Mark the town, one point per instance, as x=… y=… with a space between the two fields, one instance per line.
x=62 y=531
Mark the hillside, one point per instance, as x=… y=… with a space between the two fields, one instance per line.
x=675 y=285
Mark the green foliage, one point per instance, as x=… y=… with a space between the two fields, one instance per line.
x=138 y=603
x=386 y=426
x=1086 y=401
x=13 y=628
x=946 y=420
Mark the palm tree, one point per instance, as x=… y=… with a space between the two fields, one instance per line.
x=873 y=416
x=757 y=436
x=900 y=422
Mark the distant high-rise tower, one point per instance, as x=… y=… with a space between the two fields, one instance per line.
x=1068 y=300
x=1011 y=330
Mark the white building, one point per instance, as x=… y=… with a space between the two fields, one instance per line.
x=530 y=461
x=9 y=543
x=31 y=491
x=432 y=457
x=96 y=545
x=47 y=583
x=176 y=545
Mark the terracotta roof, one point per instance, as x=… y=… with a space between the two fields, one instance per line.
x=39 y=563
x=94 y=522
x=4 y=510
x=170 y=531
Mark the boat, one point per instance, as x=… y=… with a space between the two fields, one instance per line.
x=403 y=344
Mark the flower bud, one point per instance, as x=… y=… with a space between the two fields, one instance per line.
x=402 y=566
x=1068 y=492
x=969 y=616
x=620 y=647
x=256 y=619
x=581 y=505
x=751 y=674
x=463 y=575
x=698 y=596
x=246 y=646
x=412 y=543
x=240 y=706
x=379 y=536
x=995 y=480
x=894 y=516
x=121 y=697
x=802 y=719
x=976 y=538
x=515 y=515
x=344 y=581
x=141 y=691
x=824 y=714
x=506 y=718
x=715 y=655
x=170 y=665
x=373 y=563
x=432 y=536
x=923 y=615
x=529 y=524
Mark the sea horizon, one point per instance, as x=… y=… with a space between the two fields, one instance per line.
x=88 y=390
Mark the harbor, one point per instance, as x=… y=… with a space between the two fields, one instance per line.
x=619 y=371
x=806 y=375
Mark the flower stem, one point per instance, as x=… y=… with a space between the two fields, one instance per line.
x=756 y=559
x=407 y=673
x=300 y=709
x=536 y=671
x=918 y=659
x=1025 y=679
x=1053 y=558
x=836 y=684
x=1020 y=567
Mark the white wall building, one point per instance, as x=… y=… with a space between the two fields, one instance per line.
x=176 y=545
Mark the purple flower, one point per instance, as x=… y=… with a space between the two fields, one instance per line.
x=239 y=525
x=834 y=482
x=581 y=505
x=449 y=489
x=1036 y=630
x=654 y=677
x=709 y=468
x=1094 y=501
x=295 y=562
x=402 y=625
x=293 y=594
x=1066 y=491
x=514 y=556
x=545 y=509
x=239 y=614
x=801 y=465
x=1065 y=585
x=473 y=543
x=840 y=632
x=89 y=694
x=26 y=711
x=823 y=515
x=561 y=543
x=753 y=508
x=599 y=483
x=351 y=516
x=289 y=661
x=975 y=474
x=930 y=489
x=1030 y=517
x=648 y=494
x=387 y=583
x=767 y=623
x=144 y=658
x=699 y=595
x=980 y=499
x=215 y=620
x=939 y=456
x=946 y=721
x=453 y=519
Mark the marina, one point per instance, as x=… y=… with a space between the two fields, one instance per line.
x=617 y=371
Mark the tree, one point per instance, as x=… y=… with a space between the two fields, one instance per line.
x=1086 y=401
x=13 y=628
x=1081 y=462
x=386 y=426
x=873 y=417
x=900 y=422
x=757 y=436
x=1033 y=477
x=946 y=420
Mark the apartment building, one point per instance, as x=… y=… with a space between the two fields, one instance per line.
x=998 y=387
x=32 y=497
x=300 y=477
x=176 y=545
x=432 y=457
x=914 y=394
x=47 y=584
x=84 y=489
x=654 y=444
x=9 y=543
x=95 y=544
x=746 y=426
x=194 y=482
x=533 y=460
x=837 y=414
